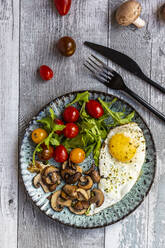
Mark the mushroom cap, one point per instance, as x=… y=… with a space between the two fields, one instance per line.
x=97 y=198
x=79 y=212
x=82 y=194
x=54 y=201
x=50 y=175
x=85 y=182
x=128 y=12
x=37 y=182
x=70 y=190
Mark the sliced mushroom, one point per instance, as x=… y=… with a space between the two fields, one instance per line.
x=72 y=179
x=94 y=174
x=53 y=187
x=37 y=182
x=129 y=13
x=78 y=212
x=85 y=182
x=54 y=201
x=82 y=194
x=70 y=176
x=70 y=191
x=97 y=198
x=80 y=205
x=64 y=203
x=37 y=167
x=50 y=175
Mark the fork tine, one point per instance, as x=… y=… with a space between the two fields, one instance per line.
x=103 y=64
x=101 y=68
x=97 y=75
x=88 y=68
x=91 y=65
x=94 y=62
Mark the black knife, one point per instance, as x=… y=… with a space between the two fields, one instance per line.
x=124 y=61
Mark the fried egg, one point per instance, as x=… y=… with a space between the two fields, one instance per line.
x=121 y=159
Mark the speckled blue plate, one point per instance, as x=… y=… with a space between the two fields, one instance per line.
x=110 y=215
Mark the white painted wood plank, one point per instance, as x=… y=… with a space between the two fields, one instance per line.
x=41 y=28
x=9 y=94
x=132 y=231
x=156 y=214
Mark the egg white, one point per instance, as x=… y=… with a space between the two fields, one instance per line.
x=117 y=177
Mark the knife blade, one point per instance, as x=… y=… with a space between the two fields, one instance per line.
x=124 y=61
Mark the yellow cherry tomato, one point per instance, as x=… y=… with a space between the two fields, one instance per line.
x=38 y=135
x=77 y=155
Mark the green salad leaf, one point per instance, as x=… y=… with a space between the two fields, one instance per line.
x=51 y=127
x=92 y=132
x=81 y=97
x=118 y=117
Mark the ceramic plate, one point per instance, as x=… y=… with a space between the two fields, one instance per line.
x=110 y=215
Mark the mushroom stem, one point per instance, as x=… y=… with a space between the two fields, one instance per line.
x=139 y=23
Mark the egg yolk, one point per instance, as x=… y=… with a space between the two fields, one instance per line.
x=122 y=147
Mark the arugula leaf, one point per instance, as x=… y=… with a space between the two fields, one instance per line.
x=96 y=152
x=52 y=114
x=80 y=97
x=47 y=122
x=37 y=149
x=89 y=149
x=117 y=116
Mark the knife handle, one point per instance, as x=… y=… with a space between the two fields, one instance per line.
x=144 y=103
x=148 y=80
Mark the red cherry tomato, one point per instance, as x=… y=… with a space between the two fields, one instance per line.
x=71 y=130
x=70 y=114
x=46 y=153
x=63 y=6
x=94 y=109
x=46 y=72
x=59 y=122
x=60 y=154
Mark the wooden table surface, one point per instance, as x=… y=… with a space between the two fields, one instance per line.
x=29 y=31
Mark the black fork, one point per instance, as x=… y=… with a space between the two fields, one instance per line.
x=113 y=80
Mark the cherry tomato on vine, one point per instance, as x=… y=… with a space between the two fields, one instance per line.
x=94 y=109
x=71 y=114
x=46 y=153
x=63 y=6
x=38 y=135
x=71 y=130
x=59 y=122
x=46 y=72
x=60 y=154
x=77 y=155
x=66 y=46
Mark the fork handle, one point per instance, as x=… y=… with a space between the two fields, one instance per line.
x=146 y=104
x=150 y=81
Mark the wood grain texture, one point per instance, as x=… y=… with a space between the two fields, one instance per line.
x=41 y=27
x=140 y=228
x=9 y=92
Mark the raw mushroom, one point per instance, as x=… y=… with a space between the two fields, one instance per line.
x=129 y=13
x=94 y=174
x=85 y=182
x=97 y=198
x=163 y=12
x=37 y=182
